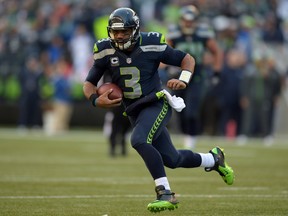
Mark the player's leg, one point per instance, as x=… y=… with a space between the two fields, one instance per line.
x=221 y=166
x=172 y=158
x=118 y=132
x=149 y=123
x=113 y=135
x=125 y=127
x=165 y=198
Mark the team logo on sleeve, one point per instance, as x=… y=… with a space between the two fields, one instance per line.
x=114 y=61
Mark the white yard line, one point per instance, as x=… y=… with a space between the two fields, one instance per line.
x=113 y=196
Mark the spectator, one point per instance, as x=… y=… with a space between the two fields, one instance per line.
x=260 y=89
x=232 y=75
x=272 y=31
x=29 y=109
x=62 y=100
x=80 y=47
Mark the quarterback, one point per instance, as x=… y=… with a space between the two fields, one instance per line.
x=132 y=58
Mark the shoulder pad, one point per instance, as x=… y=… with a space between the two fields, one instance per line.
x=101 y=44
x=102 y=48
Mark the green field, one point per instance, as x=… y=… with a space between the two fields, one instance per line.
x=72 y=174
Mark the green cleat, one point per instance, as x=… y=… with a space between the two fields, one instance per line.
x=165 y=200
x=225 y=171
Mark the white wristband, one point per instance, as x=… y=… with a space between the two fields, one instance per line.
x=185 y=76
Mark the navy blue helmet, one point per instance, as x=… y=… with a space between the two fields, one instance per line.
x=123 y=19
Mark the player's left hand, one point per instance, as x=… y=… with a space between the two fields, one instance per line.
x=176 y=84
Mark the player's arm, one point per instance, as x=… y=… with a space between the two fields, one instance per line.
x=187 y=66
x=90 y=92
x=217 y=54
x=170 y=43
x=90 y=89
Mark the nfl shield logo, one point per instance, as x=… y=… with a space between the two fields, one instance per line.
x=129 y=60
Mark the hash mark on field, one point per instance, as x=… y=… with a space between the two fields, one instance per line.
x=144 y=196
x=244 y=188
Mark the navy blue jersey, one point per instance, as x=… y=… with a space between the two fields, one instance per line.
x=136 y=72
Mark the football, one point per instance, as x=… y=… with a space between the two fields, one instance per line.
x=116 y=93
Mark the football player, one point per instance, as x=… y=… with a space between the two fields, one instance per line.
x=132 y=58
x=194 y=37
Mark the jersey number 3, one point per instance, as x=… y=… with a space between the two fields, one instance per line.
x=132 y=83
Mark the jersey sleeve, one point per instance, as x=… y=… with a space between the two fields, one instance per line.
x=95 y=74
x=168 y=55
x=101 y=50
x=172 y=56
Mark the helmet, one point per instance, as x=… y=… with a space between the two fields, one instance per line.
x=188 y=15
x=123 y=19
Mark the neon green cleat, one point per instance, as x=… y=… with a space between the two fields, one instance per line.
x=165 y=200
x=225 y=171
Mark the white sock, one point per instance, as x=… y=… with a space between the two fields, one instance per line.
x=207 y=160
x=162 y=181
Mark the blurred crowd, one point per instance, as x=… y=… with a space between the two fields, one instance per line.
x=46 y=51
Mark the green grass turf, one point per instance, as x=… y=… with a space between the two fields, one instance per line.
x=72 y=174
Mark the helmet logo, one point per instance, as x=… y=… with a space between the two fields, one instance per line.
x=136 y=20
x=117 y=25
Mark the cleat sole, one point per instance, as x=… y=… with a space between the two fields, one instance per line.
x=158 y=206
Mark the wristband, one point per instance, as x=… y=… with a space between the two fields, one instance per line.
x=185 y=76
x=93 y=99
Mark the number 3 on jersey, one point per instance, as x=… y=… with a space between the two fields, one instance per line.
x=132 y=83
